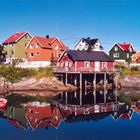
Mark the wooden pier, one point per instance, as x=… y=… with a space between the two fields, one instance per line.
x=84 y=78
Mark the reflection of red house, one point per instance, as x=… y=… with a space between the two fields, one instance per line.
x=43 y=116
x=86 y=110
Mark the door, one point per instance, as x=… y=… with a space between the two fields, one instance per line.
x=97 y=66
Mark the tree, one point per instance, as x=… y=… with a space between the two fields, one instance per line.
x=2 y=54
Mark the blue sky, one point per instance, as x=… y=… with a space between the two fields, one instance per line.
x=109 y=20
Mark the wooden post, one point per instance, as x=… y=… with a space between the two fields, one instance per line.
x=85 y=82
x=75 y=94
x=81 y=80
x=75 y=80
x=105 y=92
x=66 y=79
x=94 y=94
x=94 y=80
x=80 y=97
x=105 y=80
x=66 y=98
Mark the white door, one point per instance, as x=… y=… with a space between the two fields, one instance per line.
x=97 y=66
x=66 y=65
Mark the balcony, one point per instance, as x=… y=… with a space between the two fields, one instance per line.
x=81 y=69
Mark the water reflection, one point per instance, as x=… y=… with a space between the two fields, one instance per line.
x=70 y=107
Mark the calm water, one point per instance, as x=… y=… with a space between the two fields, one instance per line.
x=81 y=115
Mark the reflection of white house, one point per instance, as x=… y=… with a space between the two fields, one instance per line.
x=88 y=44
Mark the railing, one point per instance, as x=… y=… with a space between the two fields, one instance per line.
x=82 y=69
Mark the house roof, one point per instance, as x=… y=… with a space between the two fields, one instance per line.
x=44 y=42
x=125 y=47
x=89 y=56
x=47 y=42
x=91 y=42
x=14 y=38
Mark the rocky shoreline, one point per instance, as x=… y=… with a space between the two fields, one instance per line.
x=129 y=82
x=35 y=85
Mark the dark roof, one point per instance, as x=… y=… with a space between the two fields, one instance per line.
x=90 y=117
x=77 y=55
x=91 y=42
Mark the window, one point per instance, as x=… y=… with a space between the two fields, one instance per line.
x=26 y=36
x=104 y=65
x=12 y=52
x=83 y=41
x=56 y=47
x=116 y=55
x=127 y=55
x=86 y=64
x=31 y=46
x=37 y=45
x=70 y=64
x=130 y=49
x=31 y=54
x=116 y=48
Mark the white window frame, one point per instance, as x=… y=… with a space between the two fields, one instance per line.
x=86 y=64
x=128 y=56
x=116 y=55
x=31 y=54
x=115 y=48
x=104 y=65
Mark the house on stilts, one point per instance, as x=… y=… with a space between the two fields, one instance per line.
x=85 y=66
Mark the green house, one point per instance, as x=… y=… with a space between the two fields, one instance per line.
x=15 y=46
x=122 y=53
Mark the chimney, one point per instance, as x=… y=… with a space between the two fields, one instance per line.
x=47 y=36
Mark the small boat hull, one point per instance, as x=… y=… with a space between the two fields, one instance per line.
x=3 y=103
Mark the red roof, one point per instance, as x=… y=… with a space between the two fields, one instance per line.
x=126 y=47
x=47 y=42
x=44 y=42
x=14 y=38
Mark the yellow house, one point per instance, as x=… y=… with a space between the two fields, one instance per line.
x=15 y=47
x=136 y=58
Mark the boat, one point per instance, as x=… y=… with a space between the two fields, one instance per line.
x=3 y=103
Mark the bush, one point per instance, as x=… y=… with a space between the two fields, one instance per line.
x=44 y=72
x=14 y=74
x=134 y=68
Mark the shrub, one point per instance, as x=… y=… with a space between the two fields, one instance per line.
x=44 y=72
x=14 y=74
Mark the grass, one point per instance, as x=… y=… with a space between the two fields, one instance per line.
x=14 y=74
x=127 y=71
x=44 y=73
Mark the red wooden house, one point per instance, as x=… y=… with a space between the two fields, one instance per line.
x=85 y=61
x=42 y=51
